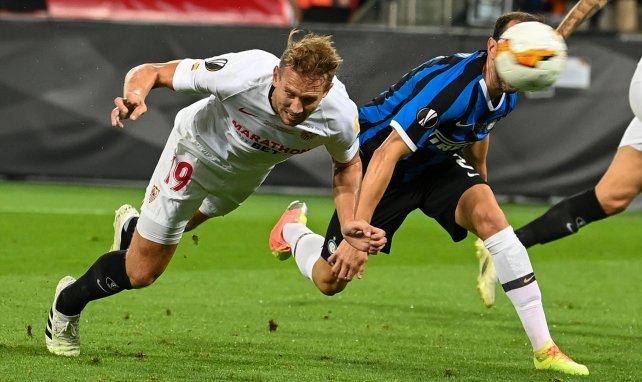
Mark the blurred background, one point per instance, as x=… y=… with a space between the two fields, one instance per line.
x=63 y=62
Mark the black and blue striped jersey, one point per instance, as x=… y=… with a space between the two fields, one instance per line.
x=438 y=108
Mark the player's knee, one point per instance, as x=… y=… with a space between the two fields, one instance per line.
x=330 y=288
x=141 y=278
x=190 y=226
x=614 y=204
x=488 y=221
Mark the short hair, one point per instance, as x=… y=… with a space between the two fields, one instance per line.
x=503 y=20
x=313 y=56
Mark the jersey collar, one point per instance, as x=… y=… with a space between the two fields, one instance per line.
x=489 y=102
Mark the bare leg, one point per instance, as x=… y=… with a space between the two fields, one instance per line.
x=622 y=182
x=146 y=260
x=197 y=219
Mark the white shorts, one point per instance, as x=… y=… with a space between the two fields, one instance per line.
x=183 y=182
x=633 y=135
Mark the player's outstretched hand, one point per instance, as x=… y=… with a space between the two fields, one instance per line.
x=131 y=107
x=364 y=236
x=347 y=262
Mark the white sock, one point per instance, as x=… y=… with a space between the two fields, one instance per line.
x=306 y=246
x=514 y=270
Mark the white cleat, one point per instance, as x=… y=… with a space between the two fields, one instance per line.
x=487 y=279
x=122 y=216
x=62 y=334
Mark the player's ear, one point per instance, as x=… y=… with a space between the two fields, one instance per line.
x=491 y=46
x=275 y=75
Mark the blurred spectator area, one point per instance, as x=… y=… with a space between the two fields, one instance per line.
x=326 y=11
x=618 y=16
x=623 y=16
x=266 y=12
x=20 y=6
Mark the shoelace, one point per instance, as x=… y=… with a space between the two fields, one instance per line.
x=69 y=325
x=555 y=352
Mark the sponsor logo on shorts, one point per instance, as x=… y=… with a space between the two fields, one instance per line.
x=153 y=194
x=215 y=64
x=332 y=246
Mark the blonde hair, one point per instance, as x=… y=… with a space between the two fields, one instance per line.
x=312 y=56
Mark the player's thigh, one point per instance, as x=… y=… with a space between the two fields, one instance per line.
x=622 y=182
x=230 y=189
x=479 y=212
x=442 y=199
x=173 y=194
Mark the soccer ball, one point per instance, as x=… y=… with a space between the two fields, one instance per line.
x=530 y=56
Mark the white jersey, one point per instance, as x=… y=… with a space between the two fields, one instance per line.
x=236 y=128
x=222 y=147
x=633 y=134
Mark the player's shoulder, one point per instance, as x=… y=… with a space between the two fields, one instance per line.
x=338 y=99
x=337 y=106
x=248 y=62
x=242 y=70
x=258 y=55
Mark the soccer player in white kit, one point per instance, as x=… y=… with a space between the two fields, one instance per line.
x=261 y=110
x=620 y=184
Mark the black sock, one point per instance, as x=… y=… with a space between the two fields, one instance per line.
x=127 y=234
x=106 y=277
x=563 y=219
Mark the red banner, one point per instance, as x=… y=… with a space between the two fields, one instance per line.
x=273 y=12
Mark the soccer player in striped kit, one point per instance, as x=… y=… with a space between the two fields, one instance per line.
x=424 y=143
x=620 y=184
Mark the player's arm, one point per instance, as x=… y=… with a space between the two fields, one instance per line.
x=379 y=173
x=351 y=256
x=581 y=11
x=348 y=261
x=476 y=155
x=345 y=187
x=139 y=81
x=346 y=182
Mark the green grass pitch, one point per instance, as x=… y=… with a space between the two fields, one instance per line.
x=414 y=317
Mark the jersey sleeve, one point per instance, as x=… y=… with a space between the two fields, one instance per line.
x=345 y=145
x=414 y=121
x=221 y=75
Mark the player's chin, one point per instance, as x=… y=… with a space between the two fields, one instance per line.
x=291 y=119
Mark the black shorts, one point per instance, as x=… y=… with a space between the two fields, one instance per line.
x=436 y=193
